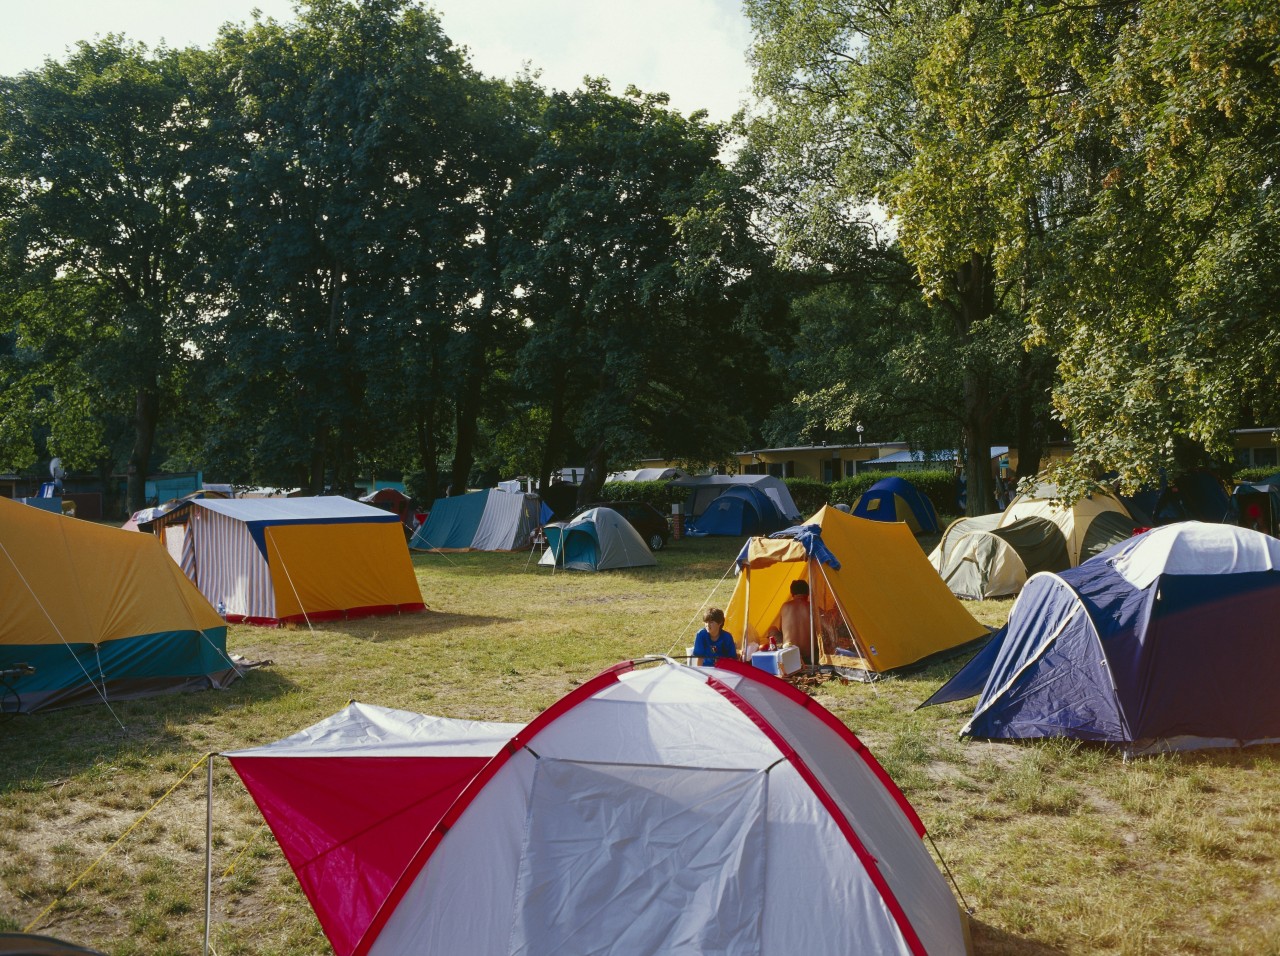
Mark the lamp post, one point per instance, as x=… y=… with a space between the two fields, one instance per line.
x=859 y=433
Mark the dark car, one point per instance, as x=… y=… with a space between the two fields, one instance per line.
x=645 y=518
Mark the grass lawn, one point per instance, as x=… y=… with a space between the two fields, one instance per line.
x=1058 y=848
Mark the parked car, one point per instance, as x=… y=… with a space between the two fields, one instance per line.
x=645 y=518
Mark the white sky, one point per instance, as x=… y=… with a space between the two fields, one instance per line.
x=695 y=50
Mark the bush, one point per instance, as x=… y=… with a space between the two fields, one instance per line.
x=661 y=494
x=1255 y=474
x=847 y=491
x=808 y=494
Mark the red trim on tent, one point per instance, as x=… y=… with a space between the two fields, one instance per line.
x=868 y=861
x=832 y=721
x=339 y=614
x=473 y=789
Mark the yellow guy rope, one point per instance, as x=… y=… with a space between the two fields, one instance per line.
x=231 y=869
x=72 y=885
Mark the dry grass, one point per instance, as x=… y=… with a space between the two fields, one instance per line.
x=1059 y=848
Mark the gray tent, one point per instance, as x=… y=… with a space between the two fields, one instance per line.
x=980 y=559
x=597 y=540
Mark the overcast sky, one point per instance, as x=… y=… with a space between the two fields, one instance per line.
x=695 y=50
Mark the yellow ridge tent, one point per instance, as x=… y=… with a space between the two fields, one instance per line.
x=871 y=588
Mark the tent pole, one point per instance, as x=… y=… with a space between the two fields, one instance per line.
x=853 y=634
x=208 y=852
x=813 y=649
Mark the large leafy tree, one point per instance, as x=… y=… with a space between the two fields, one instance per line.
x=1106 y=169
x=846 y=130
x=98 y=246
x=347 y=204
x=1133 y=177
x=630 y=340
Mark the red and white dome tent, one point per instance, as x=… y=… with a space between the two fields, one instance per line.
x=664 y=809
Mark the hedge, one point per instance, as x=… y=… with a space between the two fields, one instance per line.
x=661 y=494
x=809 y=494
x=1255 y=474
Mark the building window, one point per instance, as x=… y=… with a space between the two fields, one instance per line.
x=1264 y=457
x=830 y=469
x=851 y=467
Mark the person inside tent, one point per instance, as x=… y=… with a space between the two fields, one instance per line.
x=796 y=620
x=713 y=640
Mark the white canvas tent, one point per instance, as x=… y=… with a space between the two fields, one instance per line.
x=610 y=826
x=648 y=474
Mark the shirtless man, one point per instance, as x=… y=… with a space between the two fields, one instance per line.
x=796 y=622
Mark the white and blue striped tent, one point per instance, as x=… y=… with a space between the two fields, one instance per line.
x=269 y=560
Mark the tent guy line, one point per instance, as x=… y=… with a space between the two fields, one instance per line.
x=57 y=630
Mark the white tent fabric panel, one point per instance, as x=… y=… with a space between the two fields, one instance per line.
x=293 y=509
x=641 y=859
x=365 y=730
x=874 y=814
x=620 y=725
x=1193 y=547
x=230 y=570
x=810 y=860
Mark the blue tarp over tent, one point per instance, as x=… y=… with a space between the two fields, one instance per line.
x=742 y=510
x=887 y=499
x=1155 y=644
x=488 y=520
x=452 y=523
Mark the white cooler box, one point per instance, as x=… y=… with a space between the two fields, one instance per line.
x=782 y=662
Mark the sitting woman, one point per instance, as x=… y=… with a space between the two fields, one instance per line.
x=713 y=640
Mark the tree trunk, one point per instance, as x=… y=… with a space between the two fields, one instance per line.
x=594 y=475
x=427 y=449
x=464 y=440
x=977 y=303
x=146 y=411
x=316 y=483
x=555 y=432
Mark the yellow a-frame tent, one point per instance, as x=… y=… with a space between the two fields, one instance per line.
x=870 y=576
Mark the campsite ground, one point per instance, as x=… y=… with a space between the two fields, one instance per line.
x=1057 y=848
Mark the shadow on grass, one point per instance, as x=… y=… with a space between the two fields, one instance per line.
x=989 y=940
x=43 y=748
x=378 y=630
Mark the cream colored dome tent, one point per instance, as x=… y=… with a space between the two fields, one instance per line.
x=983 y=559
x=1075 y=520
x=610 y=826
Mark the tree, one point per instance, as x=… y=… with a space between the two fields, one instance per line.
x=629 y=335
x=848 y=127
x=347 y=204
x=1111 y=164
x=98 y=243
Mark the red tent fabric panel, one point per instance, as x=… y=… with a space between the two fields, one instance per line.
x=349 y=825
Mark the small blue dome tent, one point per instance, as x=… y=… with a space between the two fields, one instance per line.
x=1155 y=644
x=740 y=511
x=896 y=499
